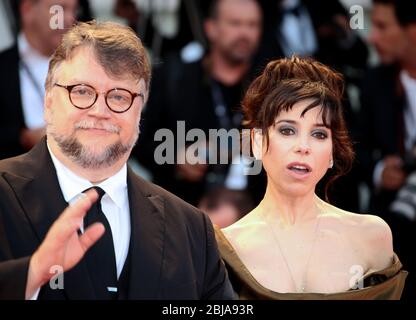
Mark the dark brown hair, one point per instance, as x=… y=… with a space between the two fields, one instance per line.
x=213 y=9
x=119 y=51
x=284 y=83
x=404 y=10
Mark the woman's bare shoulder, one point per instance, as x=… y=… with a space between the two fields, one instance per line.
x=244 y=230
x=370 y=226
x=368 y=231
x=371 y=223
x=377 y=241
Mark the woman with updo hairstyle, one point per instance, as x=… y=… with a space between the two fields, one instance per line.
x=294 y=245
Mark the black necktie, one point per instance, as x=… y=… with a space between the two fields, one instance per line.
x=100 y=258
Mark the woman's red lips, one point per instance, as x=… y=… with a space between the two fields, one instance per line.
x=300 y=167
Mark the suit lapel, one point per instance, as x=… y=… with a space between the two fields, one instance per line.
x=42 y=201
x=38 y=190
x=39 y=193
x=147 y=239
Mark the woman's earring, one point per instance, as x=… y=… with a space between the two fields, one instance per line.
x=331 y=163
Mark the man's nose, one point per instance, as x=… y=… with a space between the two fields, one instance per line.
x=100 y=108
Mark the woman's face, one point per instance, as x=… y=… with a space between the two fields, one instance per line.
x=300 y=150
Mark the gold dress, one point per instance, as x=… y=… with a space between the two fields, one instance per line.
x=386 y=284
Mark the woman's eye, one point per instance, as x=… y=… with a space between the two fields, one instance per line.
x=287 y=131
x=320 y=135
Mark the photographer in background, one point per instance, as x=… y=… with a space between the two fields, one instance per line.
x=203 y=94
x=386 y=148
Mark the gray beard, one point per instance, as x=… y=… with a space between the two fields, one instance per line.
x=82 y=156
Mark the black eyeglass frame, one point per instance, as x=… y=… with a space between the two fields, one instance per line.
x=69 y=88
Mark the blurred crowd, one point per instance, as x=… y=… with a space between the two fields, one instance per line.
x=204 y=54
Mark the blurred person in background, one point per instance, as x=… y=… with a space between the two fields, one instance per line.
x=205 y=94
x=24 y=67
x=225 y=206
x=320 y=31
x=164 y=26
x=388 y=120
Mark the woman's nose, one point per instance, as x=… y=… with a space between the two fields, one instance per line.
x=303 y=146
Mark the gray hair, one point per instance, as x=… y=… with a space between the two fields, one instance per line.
x=118 y=50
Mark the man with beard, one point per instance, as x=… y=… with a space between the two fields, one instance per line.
x=136 y=241
x=205 y=94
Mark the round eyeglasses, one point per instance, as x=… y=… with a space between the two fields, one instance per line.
x=83 y=96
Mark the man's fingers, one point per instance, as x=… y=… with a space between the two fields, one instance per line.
x=71 y=219
x=91 y=235
x=79 y=208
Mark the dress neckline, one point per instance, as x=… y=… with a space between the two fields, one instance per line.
x=230 y=256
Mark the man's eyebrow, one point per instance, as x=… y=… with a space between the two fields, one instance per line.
x=79 y=81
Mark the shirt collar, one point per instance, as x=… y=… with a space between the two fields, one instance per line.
x=72 y=185
x=290 y=4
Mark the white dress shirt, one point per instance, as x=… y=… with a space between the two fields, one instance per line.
x=115 y=204
x=296 y=33
x=409 y=85
x=409 y=115
x=33 y=69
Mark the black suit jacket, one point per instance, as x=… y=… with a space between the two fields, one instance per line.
x=382 y=126
x=383 y=102
x=329 y=51
x=11 y=114
x=173 y=250
x=182 y=92
x=382 y=105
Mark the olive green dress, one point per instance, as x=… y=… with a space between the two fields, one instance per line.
x=386 y=284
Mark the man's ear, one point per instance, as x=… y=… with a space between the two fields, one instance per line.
x=143 y=89
x=209 y=29
x=257 y=143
